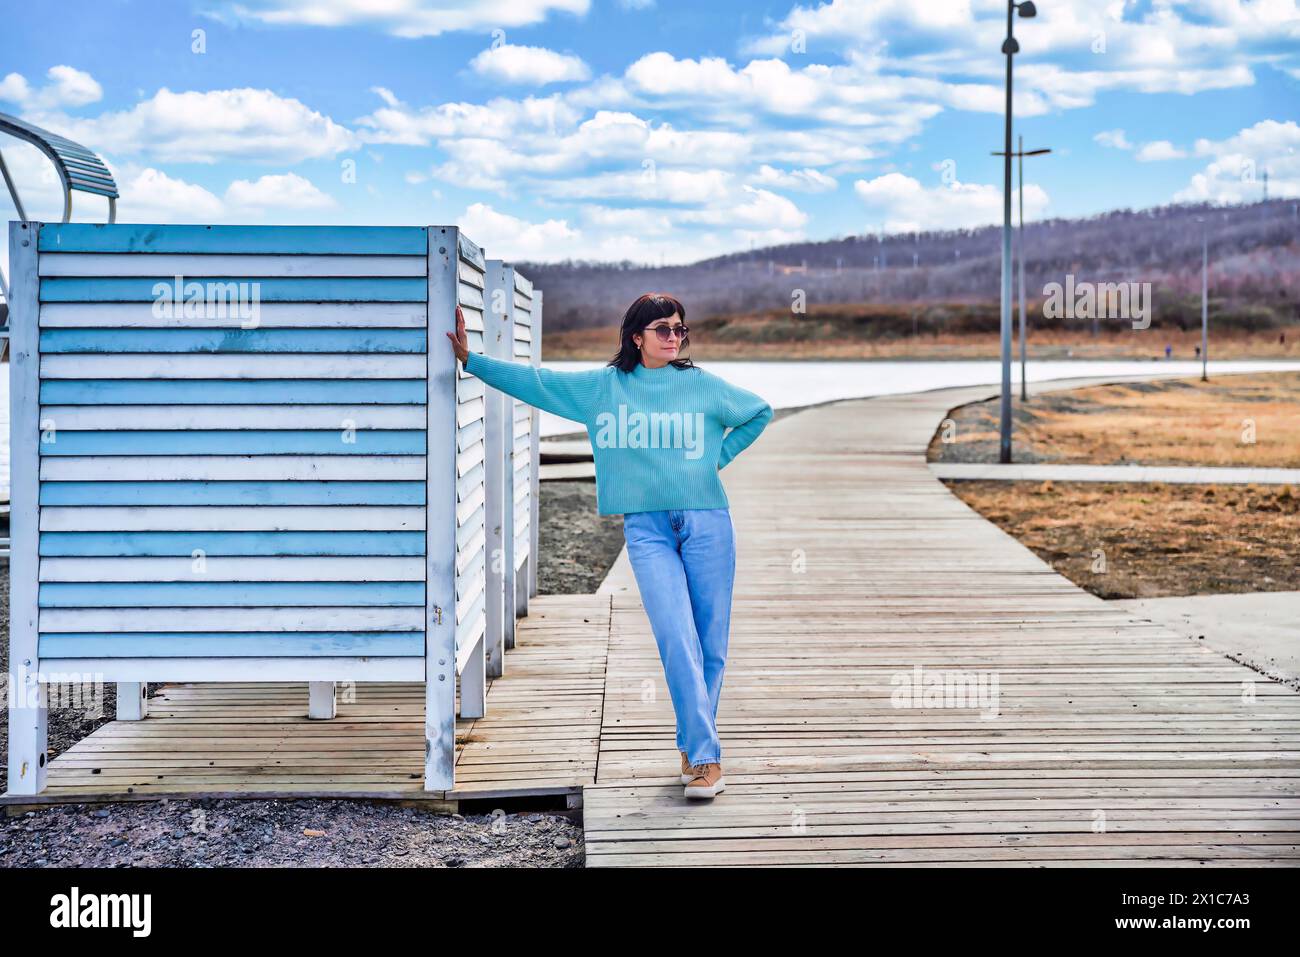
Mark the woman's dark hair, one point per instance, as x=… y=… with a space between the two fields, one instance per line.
x=647 y=309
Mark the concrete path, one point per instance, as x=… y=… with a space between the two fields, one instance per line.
x=1176 y=474
x=1260 y=629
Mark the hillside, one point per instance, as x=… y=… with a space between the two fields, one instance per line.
x=1254 y=256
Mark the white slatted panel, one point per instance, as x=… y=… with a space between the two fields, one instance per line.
x=471 y=541
x=521 y=463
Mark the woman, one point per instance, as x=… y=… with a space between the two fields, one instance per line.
x=658 y=426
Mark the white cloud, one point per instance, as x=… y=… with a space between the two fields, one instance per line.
x=536 y=65
x=151 y=196
x=855 y=93
x=1236 y=170
x=67 y=86
x=1114 y=139
x=1069 y=51
x=649 y=184
x=403 y=18
x=638 y=219
x=190 y=127
x=287 y=191
x=842 y=20
x=508 y=237
x=904 y=205
x=639 y=235
x=15 y=88
x=753 y=207
x=499 y=118
x=1159 y=150
x=803 y=180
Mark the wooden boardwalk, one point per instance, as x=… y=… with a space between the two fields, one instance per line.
x=254 y=740
x=1113 y=740
x=1110 y=740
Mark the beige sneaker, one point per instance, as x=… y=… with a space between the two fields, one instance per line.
x=708 y=781
x=687 y=776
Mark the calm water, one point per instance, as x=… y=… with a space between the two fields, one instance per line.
x=793 y=384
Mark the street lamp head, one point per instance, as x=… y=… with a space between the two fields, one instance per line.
x=1010 y=45
x=1027 y=9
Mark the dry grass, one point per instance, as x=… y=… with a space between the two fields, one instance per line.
x=1234 y=420
x=1156 y=540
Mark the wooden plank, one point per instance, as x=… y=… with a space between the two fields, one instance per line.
x=1112 y=741
x=164 y=620
x=191 y=265
x=288 y=417
x=280 y=392
x=227 y=669
x=111 y=341
x=253 y=366
x=245 y=240
x=241 y=569
x=235 y=518
x=231 y=645
x=252 y=739
x=270 y=315
x=205 y=594
x=232 y=292
x=198 y=545
x=222 y=468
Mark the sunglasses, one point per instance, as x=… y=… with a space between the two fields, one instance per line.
x=666 y=332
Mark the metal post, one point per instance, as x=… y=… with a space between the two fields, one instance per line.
x=13 y=190
x=1020 y=259
x=1004 y=411
x=1205 y=304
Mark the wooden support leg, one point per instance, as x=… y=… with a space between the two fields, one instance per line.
x=321 y=700
x=523 y=578
x=510 y=594
x=132 y=703
x=28 y=734
x=473 y=684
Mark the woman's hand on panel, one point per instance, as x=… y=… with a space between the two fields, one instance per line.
x=460 y=341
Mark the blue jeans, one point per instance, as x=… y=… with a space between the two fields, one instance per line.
x=685 y=566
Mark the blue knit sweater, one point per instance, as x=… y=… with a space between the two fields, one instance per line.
x=658 y=436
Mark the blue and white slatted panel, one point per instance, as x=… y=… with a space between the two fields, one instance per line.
x=535 y=472
x=230 y=495
x=471 y=534
x=521 y=453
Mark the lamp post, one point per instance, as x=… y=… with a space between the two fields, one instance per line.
x=1205 y=300
x=1010 y=47
x=1020 y=155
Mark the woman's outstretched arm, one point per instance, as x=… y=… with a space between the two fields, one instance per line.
x=747 y=414
x=570 y=395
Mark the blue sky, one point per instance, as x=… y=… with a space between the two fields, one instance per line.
x=652 y=130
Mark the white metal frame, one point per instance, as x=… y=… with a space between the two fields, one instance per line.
x=28 y=739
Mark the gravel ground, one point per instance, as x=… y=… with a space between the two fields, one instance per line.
x=229 y=833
